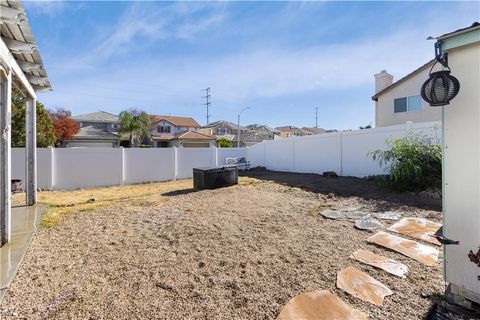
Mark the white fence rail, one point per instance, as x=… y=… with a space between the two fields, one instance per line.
x=74 y=168
x=345 y=152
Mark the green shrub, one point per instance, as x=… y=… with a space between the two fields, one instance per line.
x=413 y=163
x=224 y=143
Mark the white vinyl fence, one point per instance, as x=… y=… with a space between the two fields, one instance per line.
x=345 y=152
x=73 y=168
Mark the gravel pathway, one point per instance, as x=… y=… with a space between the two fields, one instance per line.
x=235 y=253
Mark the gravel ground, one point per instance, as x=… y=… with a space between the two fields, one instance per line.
x=235 y=253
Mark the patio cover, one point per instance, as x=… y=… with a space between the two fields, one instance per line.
x=20 y=66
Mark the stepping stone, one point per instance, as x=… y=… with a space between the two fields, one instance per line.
x=368 y=224
x=331 y=214
x=388 y=215
x=362 y=286
x=417 y=228
x=319 y=304
x=391 y=266
x=412 y=249
x=357 y=215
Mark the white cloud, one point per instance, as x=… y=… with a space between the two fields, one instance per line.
x=254 y=73
x=50 y=8
x=145 y=22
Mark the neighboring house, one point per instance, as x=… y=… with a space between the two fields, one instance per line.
x=399 y=102
x=221 y=128
x=311 y=131
x=253 y=134
x=263 y=128
x=289 y=131
x=168 y=131
x=97 y=129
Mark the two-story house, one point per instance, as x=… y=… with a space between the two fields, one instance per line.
x=97 y=129
x=169 y=131
x=289 y=131
x=400 y=101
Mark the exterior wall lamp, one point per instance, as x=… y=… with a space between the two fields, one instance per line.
x=441 y=87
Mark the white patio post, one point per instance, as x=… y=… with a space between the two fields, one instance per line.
x=5 y=154
x=31 y=151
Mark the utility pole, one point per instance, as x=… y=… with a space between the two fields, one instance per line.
x=238 y=129
x=207 y=103
x=316 y=117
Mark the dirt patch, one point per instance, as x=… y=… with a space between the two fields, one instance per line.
x=235 y=253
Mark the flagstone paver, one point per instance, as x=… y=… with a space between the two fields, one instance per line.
x=388 y=215
x=357 y=215
x=389 y=265
x=417 y=228
x=317 y=305
x=368 y=224
x=362 y=286
x=332 y=214
x=412 y=249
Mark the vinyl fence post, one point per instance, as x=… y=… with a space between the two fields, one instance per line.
x=122 y=162
x=264 y=154
x=51 y=170
x=174 y=163
x=341 y=153
x=293 y=151
x=214 y=156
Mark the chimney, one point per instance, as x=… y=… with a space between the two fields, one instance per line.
x=382 y=80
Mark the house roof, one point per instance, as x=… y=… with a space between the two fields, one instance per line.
x=408 y=76
x=99 y=116
x=185 y=135
x=475 y=25
x=176 y=121
x=313 y=130
x=91 y=133
x=253 y=136
x=257 y=126
x=18 y=37
x=287 y=128
x=225 y=123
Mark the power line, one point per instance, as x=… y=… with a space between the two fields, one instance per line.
x=207 y=103
x=316 y=117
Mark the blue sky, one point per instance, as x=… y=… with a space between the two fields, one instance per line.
x=281 y=59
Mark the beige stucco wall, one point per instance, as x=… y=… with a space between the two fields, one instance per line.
x=384 y=115
x=462 y=171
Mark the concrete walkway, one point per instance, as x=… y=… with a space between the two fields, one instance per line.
x=24 y=225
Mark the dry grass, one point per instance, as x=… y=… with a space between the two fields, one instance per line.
x=60 y=203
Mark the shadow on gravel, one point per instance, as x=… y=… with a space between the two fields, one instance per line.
x=179 y=192
x=346 y=187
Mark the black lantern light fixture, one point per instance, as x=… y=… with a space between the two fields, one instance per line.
x=441 y=87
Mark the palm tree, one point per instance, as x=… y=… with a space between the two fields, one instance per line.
x=135 y=123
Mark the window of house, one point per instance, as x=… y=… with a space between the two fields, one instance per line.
x=407 y=104
x=163 y=129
